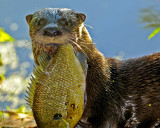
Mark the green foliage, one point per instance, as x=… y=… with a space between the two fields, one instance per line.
x=12 y=87
x=155 y=32
x=21 y=109
x=4 y=37
x=151 y=17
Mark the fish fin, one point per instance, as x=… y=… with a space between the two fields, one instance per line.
x=43 y=60
x=37 y=73
x=83 y=60
x=30 y=92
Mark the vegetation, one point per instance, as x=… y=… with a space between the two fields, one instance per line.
x=4 y=37
x=155 y=32
x=12 y=88
x=151 y=17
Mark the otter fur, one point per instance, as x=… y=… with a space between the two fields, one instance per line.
x=119 y=93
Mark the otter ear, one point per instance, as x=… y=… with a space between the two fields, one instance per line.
x=81 y=16
x=29 y=18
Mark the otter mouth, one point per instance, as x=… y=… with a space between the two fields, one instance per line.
x=49 y=39
x=42 y=42
x=39 y=48
x=49 y=48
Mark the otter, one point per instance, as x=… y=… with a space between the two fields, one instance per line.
x=120 y=93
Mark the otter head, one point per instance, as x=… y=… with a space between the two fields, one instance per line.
x=51 y=27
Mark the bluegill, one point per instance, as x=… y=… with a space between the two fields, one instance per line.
x=56 y=92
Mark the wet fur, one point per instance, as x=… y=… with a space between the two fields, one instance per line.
x=119 y=93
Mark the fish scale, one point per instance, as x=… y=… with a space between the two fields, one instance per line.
x=56 y=92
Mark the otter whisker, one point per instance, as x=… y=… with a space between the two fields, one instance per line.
x=82 y=44
x=88 y=26
x=75 y=44
x=84 y=41
x=79 y=47
x=86 y=48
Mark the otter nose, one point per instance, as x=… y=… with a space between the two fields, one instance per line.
x=52 y=32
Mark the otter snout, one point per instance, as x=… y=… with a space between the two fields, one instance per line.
x=52 y=32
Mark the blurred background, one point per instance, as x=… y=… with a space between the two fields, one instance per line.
x=120 y=28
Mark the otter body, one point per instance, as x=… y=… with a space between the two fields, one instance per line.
x=129 y=97
x=119 y=93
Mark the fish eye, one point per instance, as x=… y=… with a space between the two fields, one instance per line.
x=57 y=116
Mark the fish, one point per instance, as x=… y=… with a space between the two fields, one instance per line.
x=57 y=88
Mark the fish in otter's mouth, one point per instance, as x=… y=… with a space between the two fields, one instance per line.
x=49 y=28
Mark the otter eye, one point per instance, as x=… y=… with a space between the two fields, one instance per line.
x=41 y=22
x=64 y=22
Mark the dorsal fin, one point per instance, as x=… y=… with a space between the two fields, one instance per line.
x=30 y=92
x=37 y=71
